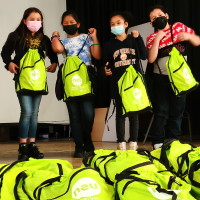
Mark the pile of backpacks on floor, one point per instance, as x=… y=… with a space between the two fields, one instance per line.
x=169 y=173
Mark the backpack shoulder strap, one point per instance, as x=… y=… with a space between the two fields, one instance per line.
x=193 y=168
x=138 y=54
x=163 y=155
x=22 y=176
x=156 y=61
x=131 y=176
x=171 y=28
x=70 y=181
x=83 y=45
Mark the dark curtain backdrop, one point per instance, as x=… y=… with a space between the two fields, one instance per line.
x=96 y=13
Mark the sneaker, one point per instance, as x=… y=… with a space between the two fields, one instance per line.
x=23 y=152
x=157 y=146
x=133 y=145
x=121 y=146
x=34 y=151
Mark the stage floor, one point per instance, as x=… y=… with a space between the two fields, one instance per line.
x=60 y=149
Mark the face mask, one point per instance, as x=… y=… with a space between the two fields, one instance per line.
x=34 y=26
x=160 y=22
x=117 y=30
x=70 y=29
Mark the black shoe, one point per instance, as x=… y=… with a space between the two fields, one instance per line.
x=34 y=151
x=23 y=152
x=89 y=148
x=79 y=151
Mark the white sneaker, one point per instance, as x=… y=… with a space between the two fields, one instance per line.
x=157 y=146
x=133 y=145
x=121 y=146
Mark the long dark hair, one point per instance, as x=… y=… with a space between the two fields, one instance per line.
x=22 y=33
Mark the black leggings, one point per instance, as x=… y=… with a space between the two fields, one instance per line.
x=81 y=115
x=120 y=124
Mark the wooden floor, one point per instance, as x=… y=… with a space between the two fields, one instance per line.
x=60 y=149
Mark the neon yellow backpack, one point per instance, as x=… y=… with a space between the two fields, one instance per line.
x=82 y=183
x=183 y=160
x=133 y=92
x=109 y=163
x=150 y=185
x=75 y=79
x=192 y=162
x=135 y=176
x=12 y=178
x=180 y=75
x=32 y=74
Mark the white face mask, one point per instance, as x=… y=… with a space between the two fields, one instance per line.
x=34 y=26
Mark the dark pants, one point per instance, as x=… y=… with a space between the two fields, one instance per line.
x=120 y=124
x=81 y=115
x=168 y=111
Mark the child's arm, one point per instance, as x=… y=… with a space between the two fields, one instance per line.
x=95 y=48
x=7 y=51
x=51 y=55
x=55 y=43
x=153 y=51
x=193 y=39
x=107 y=59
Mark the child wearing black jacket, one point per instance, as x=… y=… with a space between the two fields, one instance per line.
x=27 y=38
x=118 y=53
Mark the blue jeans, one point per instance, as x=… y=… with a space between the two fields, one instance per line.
x=29 y=115
x=81 y=115
x=120 y=124
x=168 y=111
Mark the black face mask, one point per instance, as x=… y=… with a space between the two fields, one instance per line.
x=160 y=22
x=70 y=29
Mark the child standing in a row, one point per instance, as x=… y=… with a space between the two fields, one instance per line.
x=81 y=111
x=30 y=45
x=119 y=53
x=168 y=108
